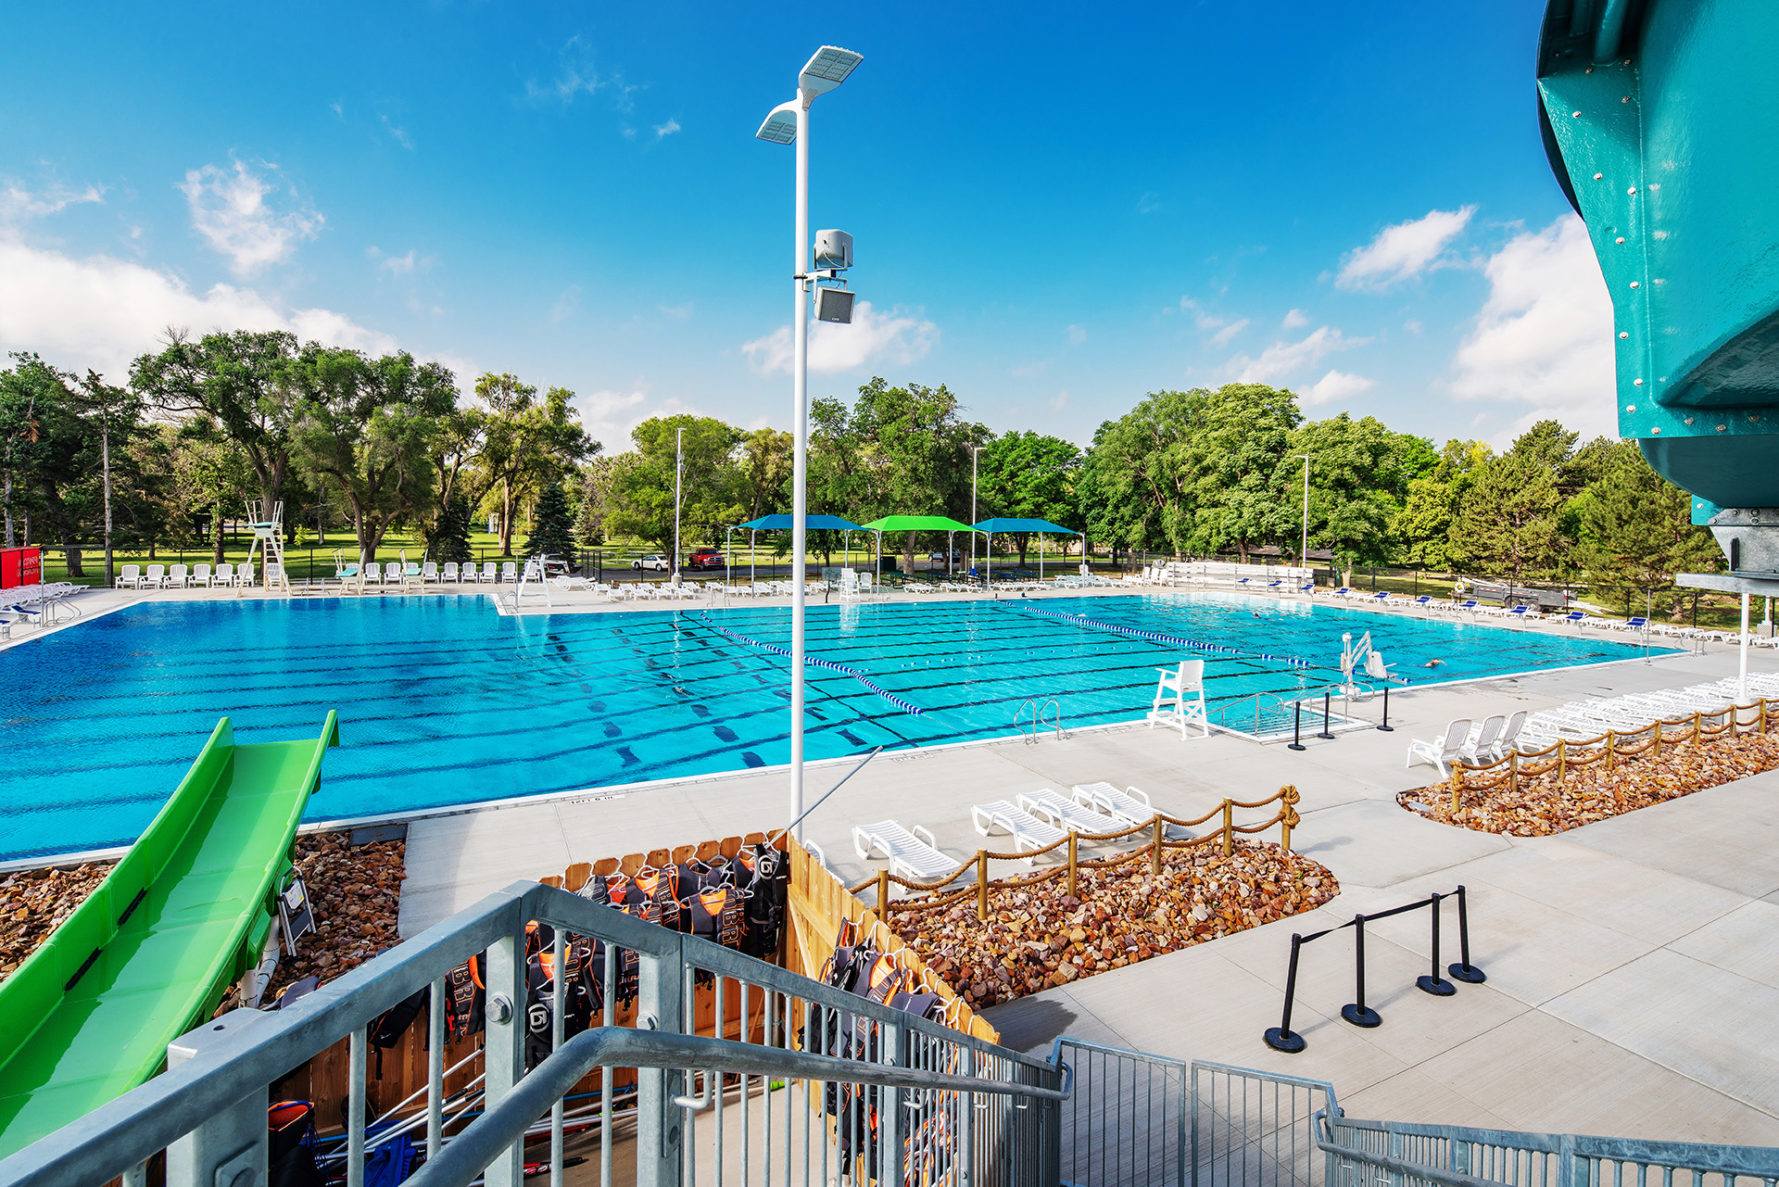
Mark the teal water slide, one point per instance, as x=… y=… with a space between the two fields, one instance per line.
x=151 y=952
x=1661 y=122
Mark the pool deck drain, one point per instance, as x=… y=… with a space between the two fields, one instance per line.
x=1633 y=964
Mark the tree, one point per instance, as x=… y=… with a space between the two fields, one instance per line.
x=449 y=542
x=912 y=453
x=53 y=459
x=370 y=425
x=642 y=490
x=207 y=474
x=598 y=477
x=1424 y=525
x=1358 y=477
x=1637 y=529
x=1027 y=475
x=1238 y=439
x=762 y=470
x=552 y=527
x=238 y=379
x=1511 y=516
x=526 y=441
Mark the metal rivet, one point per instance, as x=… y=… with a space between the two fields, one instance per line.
x=1598 y=176
x=1575 y=115
x=1721 y=428
x=1623 y=334
x=1620 y=239
x=1636 y=284
x=1657 y=430
x=1630 y=407
x=1688 y=420
x=1636 y=383
x=1632 y=190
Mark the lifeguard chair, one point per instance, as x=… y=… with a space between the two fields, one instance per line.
x=1180 y=698
x=267 y=522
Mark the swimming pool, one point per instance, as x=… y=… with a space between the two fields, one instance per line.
x=443 y=702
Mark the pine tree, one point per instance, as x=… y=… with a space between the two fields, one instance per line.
x=552 y=527
x=1637 y=532
x=450 y=542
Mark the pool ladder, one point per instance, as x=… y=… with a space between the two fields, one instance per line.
x=1037 y=722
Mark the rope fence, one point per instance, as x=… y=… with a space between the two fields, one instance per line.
x=1285 y=817
x=1567 y=754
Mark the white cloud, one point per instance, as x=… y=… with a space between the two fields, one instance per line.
x=101 y=312
x=566 y=303
x=1544 y=335
x=1281 y=360
x=1221 y=329
x=396 y=265
x=577 y=74
x=397 y=133
x=608 y=416
x=1336 y=385
x=1294 y=320
x=678 y=312
x=1403 y=251
x=1059 y=401
x=1077 y=335
x=1222 y=337
x=872 y=338
x=1149 y=203
x=662 y=131
x=230 y=209
x=18 y=205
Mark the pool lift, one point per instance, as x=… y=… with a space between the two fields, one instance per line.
x=1355 y=657
x=266 y=518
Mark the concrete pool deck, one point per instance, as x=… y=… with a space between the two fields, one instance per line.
x=1633 y=964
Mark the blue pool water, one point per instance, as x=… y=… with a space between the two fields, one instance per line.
x=443 y=702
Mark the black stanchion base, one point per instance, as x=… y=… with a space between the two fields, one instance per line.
x=1434 y=985
x=1279 y=1040
x=1360 y=1015
x=1295 y=746
x=1324 y=736
x=1469 y=974
x=1386 y=729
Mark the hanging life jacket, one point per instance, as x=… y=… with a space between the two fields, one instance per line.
x=464 y=999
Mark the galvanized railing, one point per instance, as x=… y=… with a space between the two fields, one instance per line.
x=1395 y=1154
x=797 y=1080
x=1146 y=1119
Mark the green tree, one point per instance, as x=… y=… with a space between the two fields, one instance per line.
x=597 y=479
x=1237 y=440
x=207 y=474
x=526 y=442
x=450 y=539
x=1359 y=475
x=1027 y=475
x=1424 y=525
x=762 y=472
x=552 y=527
x=370 y=426
x=642 y=490
x=1511 y=517
x=1637 y=530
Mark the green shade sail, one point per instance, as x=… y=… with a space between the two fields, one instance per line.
x=917 y=523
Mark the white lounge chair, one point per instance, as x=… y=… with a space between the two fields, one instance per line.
x=130 y=575
x=509 y=572
x=1509 y=737
x=490 y=574
x=450 y=572
x=429 y=571
x=908 y=856
x=1028 y=831
x=244 y=575
x=155 y=577
x=467 y=574
x=177 y=577
x=1066 y=813
x=373 y=573
x=200 y=575
x=274 y=574
x=1480 y=747
x=1131 y=805
x=225 y=575
x=1441 y=752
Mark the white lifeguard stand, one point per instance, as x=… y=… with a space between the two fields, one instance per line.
x=268 y=541
x=1180 y=698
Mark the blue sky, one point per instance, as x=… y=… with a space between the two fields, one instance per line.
x=1057 y=208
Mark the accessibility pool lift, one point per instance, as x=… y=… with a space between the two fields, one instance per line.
x=788 y=123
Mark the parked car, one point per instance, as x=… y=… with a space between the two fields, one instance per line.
x=957 y=558
x=655 y=561
x=705 y=558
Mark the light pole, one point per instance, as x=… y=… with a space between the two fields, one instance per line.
x=788 y=123
x=679 y=464
x=1304 y=553
x=975 y=453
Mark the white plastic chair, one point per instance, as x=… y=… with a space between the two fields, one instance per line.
x=1131 y=805
x=1028 y=831
x=225 y=575
x=244 y=575
x=1481 y=746
x=450 y=572
x=155 y=577
x=130 y=575
x=373 y=573
x=908 y=856
x=1066 y=813
x=1440 y=752
x=200 y=575
x=509 y=572
x=429 y=571
x=490 y=574
x=177 y=577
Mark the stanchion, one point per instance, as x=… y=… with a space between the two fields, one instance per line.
x=1279 y=1037
x=1325 y=731
x=1433 y=983
x=1464 y=970
x=1297 y=728
x=1356 y=1011
x=1386 y=727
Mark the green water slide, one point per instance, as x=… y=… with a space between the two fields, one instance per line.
x=1660 y=121
x=151 y=952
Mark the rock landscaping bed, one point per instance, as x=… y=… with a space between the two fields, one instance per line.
x=1037 y=936
x=1543 y=805
x=33 y=902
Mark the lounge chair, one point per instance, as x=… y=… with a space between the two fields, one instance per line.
x=225 y=575
x=130 y=575
x=1423 y=600
x=1576 y=616
x=244 y=575
x=509 y=572
x=490 y=574
x=429 y=571
x=908 y=856
x=1468 y=604
x=1131 y=805
x=1480 y=747
x=1382 y=595
x=200 y=575
x=1634 y=623
x=1441 y=752
x=450 y=572
x=177 y=577
x=1066 y=813
x=155 y=577
x=274 y=574
x=1028 y=831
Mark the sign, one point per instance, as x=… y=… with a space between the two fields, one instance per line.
x=20 y=566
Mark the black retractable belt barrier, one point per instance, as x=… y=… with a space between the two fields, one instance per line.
x=1297 y=727
x=1283 y=1038
x=1326 y=732
x=1386 y=727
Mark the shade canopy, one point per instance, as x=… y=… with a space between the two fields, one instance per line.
x=783 y=523
x=1024 y=525
x=916 y=523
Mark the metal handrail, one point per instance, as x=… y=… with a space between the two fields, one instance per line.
x=253 y=1049
x=501 y=1126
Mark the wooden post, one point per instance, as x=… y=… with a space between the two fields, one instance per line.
x=1658 y=738
x=1228 y=827
x=1612 y=755
x=1513 y=772
x=1155 y=847
x=982 y=885
x=883 y=893
x=1457 y=783
x=1763 y=715
x=1072 y=893
x=1562 y=760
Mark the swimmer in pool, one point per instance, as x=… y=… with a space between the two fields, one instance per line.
x=1433 y=663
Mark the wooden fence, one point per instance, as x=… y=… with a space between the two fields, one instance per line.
x=1567 y=755
x=1155 y=828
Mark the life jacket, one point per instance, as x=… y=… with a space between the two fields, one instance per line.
x=718 y=915
x=917 y=1001
x=879 y=979
x=768 y=887
x=290 y=1161
x=657 y=886
x=465 y=996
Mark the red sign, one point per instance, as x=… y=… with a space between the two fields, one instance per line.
x=20 y=566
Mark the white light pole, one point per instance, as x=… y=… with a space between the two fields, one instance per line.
x=1303 y=555
x=788 y=123
x=679 y=465
x=975 y=453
